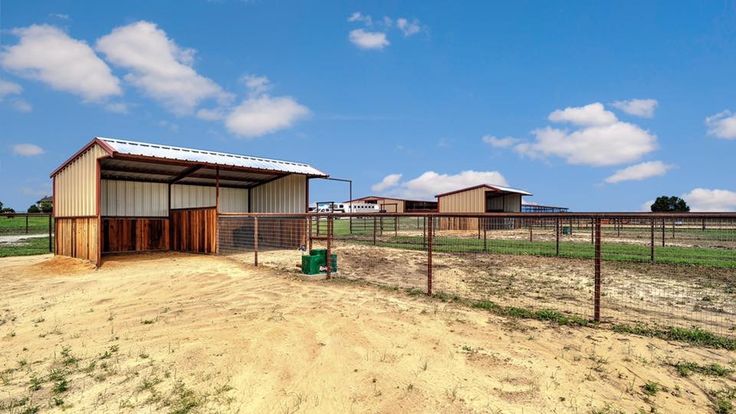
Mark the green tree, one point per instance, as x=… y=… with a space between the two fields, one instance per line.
x=34 y=209
x=46 y=207
x=664 y=204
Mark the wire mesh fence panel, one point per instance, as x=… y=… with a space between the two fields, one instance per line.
x=658 y=270
x=26 y=234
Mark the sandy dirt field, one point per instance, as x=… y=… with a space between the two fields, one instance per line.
x=656 y=294
x=183 y=333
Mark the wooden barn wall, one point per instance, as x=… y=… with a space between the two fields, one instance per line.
x=75 y=187
x=134 y=234
x=77 y=237
x=285 y=195
x=134 y=199
x=193 y=230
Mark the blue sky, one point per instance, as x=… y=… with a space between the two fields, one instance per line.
x=590 y=105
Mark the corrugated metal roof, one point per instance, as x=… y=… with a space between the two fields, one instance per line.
x=209 y=157
x=510 y=189
x=489 y=186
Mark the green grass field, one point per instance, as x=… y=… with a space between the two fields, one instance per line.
x=610 y=250
x=17 y=225
x=28 y=247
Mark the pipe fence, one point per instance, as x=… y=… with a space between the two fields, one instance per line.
x=26 y=233
x=659 y=270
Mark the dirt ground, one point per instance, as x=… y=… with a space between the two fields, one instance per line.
x=657 y=294
x=184 y=333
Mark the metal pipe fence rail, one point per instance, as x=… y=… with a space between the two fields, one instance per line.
x=660 y=270
x=26 y=233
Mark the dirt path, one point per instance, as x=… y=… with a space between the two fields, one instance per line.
x=208 y=334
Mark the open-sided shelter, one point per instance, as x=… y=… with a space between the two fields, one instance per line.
x=124 y=196
x=484 y=198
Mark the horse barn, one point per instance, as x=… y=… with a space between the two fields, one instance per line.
x=115 y=196
x=398 y=205
x=484 y=198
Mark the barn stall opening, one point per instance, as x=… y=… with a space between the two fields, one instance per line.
x=118 y=196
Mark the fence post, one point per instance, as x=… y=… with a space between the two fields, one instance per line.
x=255 y=240
x=557 y=236
x=531 y=238
x=485 y=235
x=430 y=230
x=651 y=242
x=662 y=232
x=309 y=231
x=328 y=261
x=597 y=298
x=374 y=230
x=51 y=249
x=424 y=232
x=26 y=223
x=592 y=230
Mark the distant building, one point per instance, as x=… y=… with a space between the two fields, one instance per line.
x=527 y=207
x=484 y=198
x=398 y=205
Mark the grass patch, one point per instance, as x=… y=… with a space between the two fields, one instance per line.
x=651 y=388
x=17 y=225
x=714 y=370
x=694 y=335
x=524 y=313
x=25 y=247
x=723 y=400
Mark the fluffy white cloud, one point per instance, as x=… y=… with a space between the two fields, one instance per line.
x=368 y=40
x=47 y=54
x=262 y=115
x=722 y=125
x=8 y=88
x=643 y=108
x=408 y=28
x=605 y=145
x=159 y=67
x=430 y=183
x=389 y=181
x=21 y=105
x=360 y=17
x=505 y=142
x=703 y=199
x=589 y=115
x=257 y=84
x=599 y=139
x=27 y=150
x=640 y=172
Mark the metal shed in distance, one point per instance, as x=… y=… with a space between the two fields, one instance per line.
x=124 y=196
x=398 y=205
x=484 y=198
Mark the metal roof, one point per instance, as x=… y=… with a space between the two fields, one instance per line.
x=489 y=186
x=169 y=152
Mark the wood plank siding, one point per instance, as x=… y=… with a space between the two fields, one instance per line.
x=135 y=234
x=77 y=237
x=193 y=230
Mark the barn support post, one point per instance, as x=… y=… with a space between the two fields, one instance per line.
x=217 y=210
x=255 y=240
x=429 y=255
x=597 y=293
x=557 y=236
x=51 y=248
x=651 y=241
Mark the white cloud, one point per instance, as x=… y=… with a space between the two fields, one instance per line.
x=722 y=125
x=368 y=40
x=27 y=150
x=643 y=108
x=408 y=28
x=589 y=115
x=159 y=67
x=257 y=84
x=430 y=183
x=389 y=181
x=21 y=105
x=646 y=206
x=360 y=17
x=47 y=54
x=599 y=138
x=8 y=88
x=117 y=107
x=605 y=145
x=262 y=115
x=505 y=142
x=703 y=199
x=640 y=172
